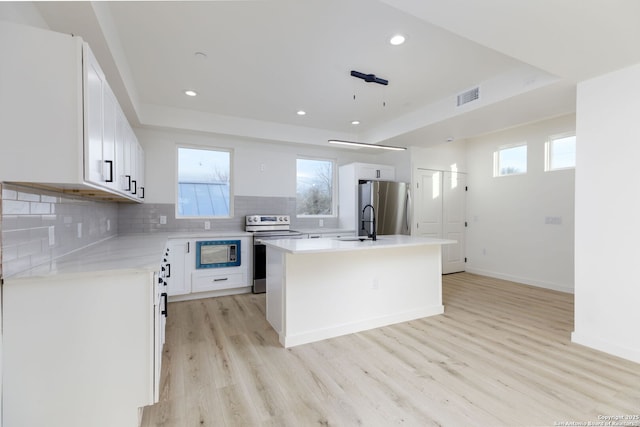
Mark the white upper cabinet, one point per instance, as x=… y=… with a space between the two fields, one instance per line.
x=365 y=171
x=97 y=107
x=60 y=123
x=349 y=176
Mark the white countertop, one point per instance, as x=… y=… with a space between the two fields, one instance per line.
x=303 y=246
x=125 y=252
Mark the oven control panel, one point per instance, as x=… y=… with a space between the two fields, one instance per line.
x=266 y=220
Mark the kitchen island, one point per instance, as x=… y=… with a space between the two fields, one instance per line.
x=323 y=288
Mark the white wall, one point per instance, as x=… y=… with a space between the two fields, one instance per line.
x=607 y=294
x=24 y=13
x=260 y=168
x=507 y=236
x=444 y=156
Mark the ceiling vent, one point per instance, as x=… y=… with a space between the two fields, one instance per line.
x=468 y=96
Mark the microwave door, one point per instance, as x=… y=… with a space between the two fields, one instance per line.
x=213 y=254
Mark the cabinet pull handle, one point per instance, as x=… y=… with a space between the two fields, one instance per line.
x=165 y=312
x=188 y=247
x=142 y=190
x=128 y=183
x=168 y=270
x=110 y=170
x=135 y=188
x=220 y=280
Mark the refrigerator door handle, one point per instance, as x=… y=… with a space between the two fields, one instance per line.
x=407 y=211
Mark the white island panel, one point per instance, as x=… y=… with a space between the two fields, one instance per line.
x=314 y=295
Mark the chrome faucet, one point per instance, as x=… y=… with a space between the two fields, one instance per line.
x=373 y=220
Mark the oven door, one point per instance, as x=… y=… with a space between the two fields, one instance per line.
x=260 y=258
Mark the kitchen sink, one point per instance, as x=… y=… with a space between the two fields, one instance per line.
x=356 y=238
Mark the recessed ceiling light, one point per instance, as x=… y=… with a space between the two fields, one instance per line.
x=355 y=122
x=190 y=92
x=301 y=113
x=397 y=39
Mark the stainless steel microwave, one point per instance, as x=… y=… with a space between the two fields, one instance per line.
x=217 y=253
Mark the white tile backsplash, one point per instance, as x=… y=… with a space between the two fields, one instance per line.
x=28 y=214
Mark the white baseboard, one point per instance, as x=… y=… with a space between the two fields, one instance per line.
x=568 y=288
x=606 y=346
x=359 y=326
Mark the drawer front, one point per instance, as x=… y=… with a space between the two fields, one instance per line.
x=212 y=282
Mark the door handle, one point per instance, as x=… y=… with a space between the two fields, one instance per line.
x=407 y=210
x=110 y=162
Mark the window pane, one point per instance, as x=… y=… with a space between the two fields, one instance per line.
x=203 y=182
x=512 y=160
x=562 y=153
x=314 y=187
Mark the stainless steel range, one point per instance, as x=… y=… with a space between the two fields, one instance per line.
x=266 y=227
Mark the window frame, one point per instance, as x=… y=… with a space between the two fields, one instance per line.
x=177 y=183
x=548 y=151
x=334 y=186
x=496 y=159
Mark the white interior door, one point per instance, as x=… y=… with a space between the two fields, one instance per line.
x=428 y=211
x=453 y=221
x=440 y=213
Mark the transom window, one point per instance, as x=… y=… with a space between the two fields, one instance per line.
x=560 y=152
x=511 y=160
x=204 y=184
x=315 y=187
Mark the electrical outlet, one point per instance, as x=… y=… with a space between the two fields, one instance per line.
x=207 y=225
x=79 y=230
x=163 y=219
x=108 y=224
x=554 y=220
x=375 y=285
x=321 y=222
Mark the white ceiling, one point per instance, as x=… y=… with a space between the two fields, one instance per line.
x=267 y=59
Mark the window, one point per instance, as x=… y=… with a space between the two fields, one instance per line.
x=560 y=152
x=204 y=183
x=510 y=160
x=314 y=187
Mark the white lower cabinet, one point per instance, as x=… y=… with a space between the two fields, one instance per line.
x=178 y=274
x=185 y=281
x=208 y=281
x=81 y=349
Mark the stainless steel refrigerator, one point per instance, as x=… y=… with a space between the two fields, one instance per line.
x=391 y=202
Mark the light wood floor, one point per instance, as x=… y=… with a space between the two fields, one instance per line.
x=500 y=355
